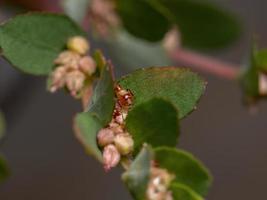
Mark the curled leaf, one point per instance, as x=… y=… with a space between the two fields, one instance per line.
x=137 y=176
x=99 y=112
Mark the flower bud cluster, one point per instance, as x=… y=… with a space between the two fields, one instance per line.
x=158 y=185
x=114 y=139
x=103 y=16
x=73 y=67
x=263 y=84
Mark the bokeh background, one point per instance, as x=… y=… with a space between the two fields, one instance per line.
x=47 y=162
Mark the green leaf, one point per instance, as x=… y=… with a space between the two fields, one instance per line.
x=99 y=113
x=181 y=87
x=155 y=122
x=87 y=127
x=32 y=42
x=250 y=79
x=201 y=23
x=4 y=172
x=2 y=125
x=137 y=176
x=76 y=9
x=141 y=20
x=261 y=59
x=186 y=168
x=182 y=192
x=102 y=103
x=137 y=52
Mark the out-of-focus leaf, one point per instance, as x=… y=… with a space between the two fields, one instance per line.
x=100 y=110
x=32 y=42
x=76 y=9
x=180 y=191
x=141 y=20
x=132 y=52
x=181 y=87
x=261 y=59
x=250 y=79
x=137 y=176
x=4 y=172
x=186 y=168
x=202 y=24
x=155 y=122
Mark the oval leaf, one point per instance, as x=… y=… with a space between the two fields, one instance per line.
x=201 y=23
x=32 y=42
x=86 y=129
x=181 y=87
x=141 y=20
x=187 y=169
x=155 y=122
x=102 y=103
x=137 y=176
x=87 y=124
x=182 y=192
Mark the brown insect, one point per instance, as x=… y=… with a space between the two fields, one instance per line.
x=125 y=97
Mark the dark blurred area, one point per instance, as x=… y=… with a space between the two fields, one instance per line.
x=47 y=162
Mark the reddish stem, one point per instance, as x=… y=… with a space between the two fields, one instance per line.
x=206 y=64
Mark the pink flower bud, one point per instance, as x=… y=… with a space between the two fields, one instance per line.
x=68 y=58
x=160 y=179
x=172 y=40
x=75 y=81
x=263 y=84
x=87 y=65
x=111 y=157
x=78 y=44
x=124 y=143
x=105 y=136
x=58 y=78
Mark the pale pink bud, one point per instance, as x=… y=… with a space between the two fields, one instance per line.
x=105 y=136
x=58 y=78
x=111 y=157
x=263 y=84
x=68 y=58
x=87 y=65
x=171 y=40
x=75 y=81
x=162 y=175
x=78 y=44
x=159 y=183
x=124 y=143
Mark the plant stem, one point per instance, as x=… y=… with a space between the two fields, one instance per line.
x=206 y=64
